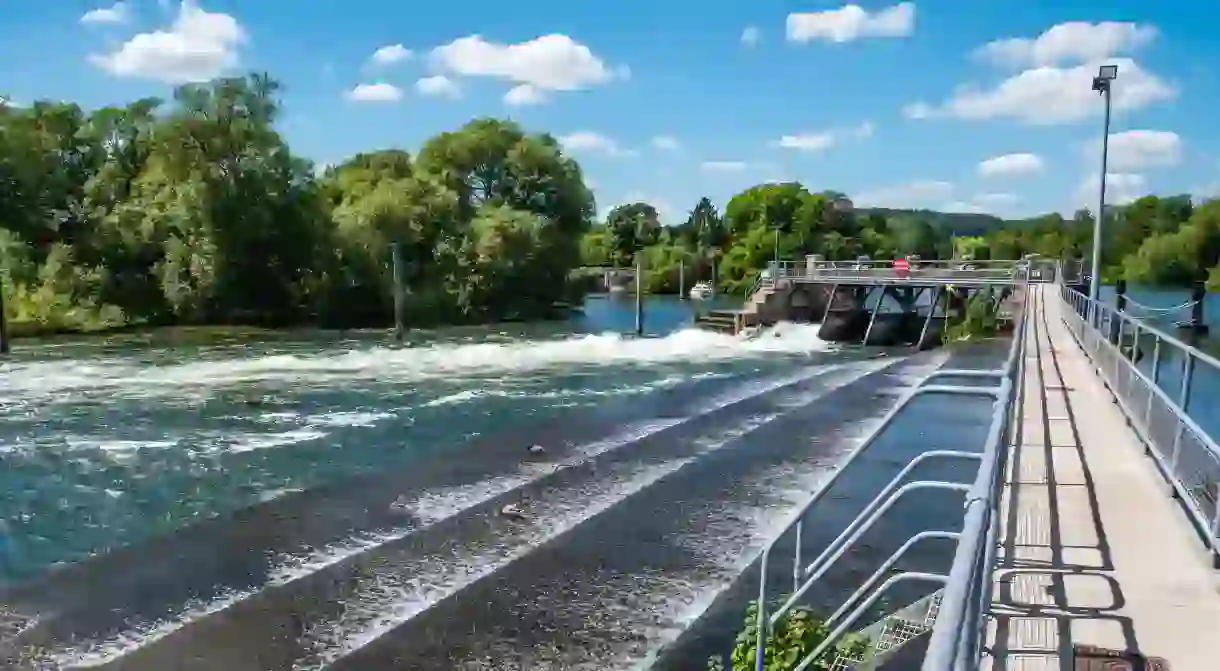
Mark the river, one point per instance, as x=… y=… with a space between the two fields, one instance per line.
x=320 y=502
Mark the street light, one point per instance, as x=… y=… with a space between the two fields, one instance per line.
x=1101 y=83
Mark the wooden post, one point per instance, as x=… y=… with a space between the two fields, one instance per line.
x=1120 y=295
x=400 y=299
x=3 y=323
x=639 y=298
x=681 y=278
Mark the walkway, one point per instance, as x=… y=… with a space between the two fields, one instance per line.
x=1095 y=552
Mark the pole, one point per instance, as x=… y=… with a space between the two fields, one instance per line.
x=639 y=298
x=3 y=323
x=400 y=298
x=776 y=254
x=1095 y=275
x=681 y=279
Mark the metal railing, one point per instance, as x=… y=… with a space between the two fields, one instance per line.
x=1155 y=396
x=957 y=632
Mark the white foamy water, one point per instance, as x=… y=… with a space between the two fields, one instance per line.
x=433 y=506
x=19 y=381
x=392 y=598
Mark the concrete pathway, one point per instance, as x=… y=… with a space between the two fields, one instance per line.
x=1094 y=550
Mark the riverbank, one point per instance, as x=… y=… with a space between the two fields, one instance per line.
x=208 y=333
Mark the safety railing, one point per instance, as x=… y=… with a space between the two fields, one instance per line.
x=957 y=633
x=1155 y=395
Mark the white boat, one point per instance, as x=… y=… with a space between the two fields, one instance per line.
x=702 y=291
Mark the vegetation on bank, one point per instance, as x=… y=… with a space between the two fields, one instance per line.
x=796 y=635
x=196 y=211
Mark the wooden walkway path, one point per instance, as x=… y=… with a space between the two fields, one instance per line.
x=1094 y=550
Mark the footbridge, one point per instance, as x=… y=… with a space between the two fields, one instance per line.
x=1089 y=532
x=876 y=303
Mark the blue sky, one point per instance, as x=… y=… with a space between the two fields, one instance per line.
x=948 y=104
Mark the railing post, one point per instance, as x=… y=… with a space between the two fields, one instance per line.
x=1188 y=370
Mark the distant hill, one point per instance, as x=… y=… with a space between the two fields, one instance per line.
x=957 y=223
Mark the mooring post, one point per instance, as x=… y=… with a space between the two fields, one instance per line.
x=681 y=278
x=400 y=299
x=639 y=298
x=3 y=323
x=1198 y=296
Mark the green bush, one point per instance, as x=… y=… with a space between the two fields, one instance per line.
x=977 y=320
x=795 y=636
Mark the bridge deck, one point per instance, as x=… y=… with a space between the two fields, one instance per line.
x=1094 y=550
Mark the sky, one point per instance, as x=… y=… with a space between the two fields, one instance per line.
x=981 y=106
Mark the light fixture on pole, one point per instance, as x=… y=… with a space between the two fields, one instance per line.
x=1101 y=84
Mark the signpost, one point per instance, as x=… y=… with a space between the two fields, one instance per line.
x=901 y=267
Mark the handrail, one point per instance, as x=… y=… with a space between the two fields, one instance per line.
x=971 y=571
x=1169 y=458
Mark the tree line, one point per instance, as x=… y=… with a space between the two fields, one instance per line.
x=1151 y=241
x=196 y=211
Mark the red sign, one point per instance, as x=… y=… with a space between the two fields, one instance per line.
x=901 y=267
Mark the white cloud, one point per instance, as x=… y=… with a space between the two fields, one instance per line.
x=1139 y=149
x=590 y=141
x=851 y=22
x=822 y=140
x=548 y=63
x=522 y=95
x=116 y=13
x=438 y=85
x=751 y=35
x=1071 y=42
x=1049 y=95
x=724 y=166
x=666 y=143
x=1010 y=165
x=983 y=203
x=198 y=45
x=911 y=194
x=1121 y=188
x=375 y=93
x=665 y=210
x=390 y=54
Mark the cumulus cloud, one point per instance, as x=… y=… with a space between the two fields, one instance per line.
x=1072 y=42
x=439 y=86
x=1139 y=149
x=1049 y=95
x=1121 y=188
x=751 y=35
x=823 y=140
x=665 y=143
x=851 y=22
x=390 y=54
x=523 y=95
x=983 y=203
x=593 y=142
x=375 y=93
x=549 y=63
x=116 y=13
x=198 y=45
x=909 y=194
x=1010 y=165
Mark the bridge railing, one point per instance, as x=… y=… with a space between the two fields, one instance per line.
x=1156 y=393
x=888 y=272
x=957 y=632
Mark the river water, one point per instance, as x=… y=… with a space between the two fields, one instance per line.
x=315 y=502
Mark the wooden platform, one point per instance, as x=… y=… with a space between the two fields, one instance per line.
x=1094 y=550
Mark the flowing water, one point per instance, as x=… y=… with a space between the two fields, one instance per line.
x=316 y=502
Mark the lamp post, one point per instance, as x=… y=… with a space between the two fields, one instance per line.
x=1101 y=84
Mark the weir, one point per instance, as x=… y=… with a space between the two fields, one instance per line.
x=900 y=302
